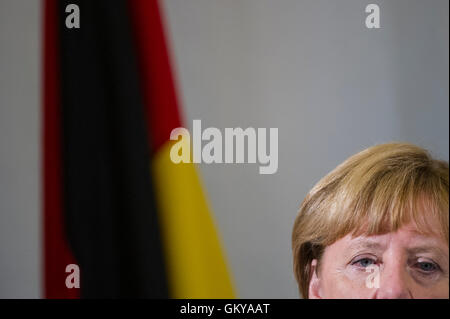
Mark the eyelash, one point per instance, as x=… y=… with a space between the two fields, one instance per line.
x=359 y=260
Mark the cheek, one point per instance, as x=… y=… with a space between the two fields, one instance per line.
x=345 y=284
x=438 y=291
x=442 y=290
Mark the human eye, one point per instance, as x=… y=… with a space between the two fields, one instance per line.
x=426 y=267
x=363 y=262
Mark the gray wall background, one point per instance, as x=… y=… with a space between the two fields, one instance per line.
x=308 y=67
x=20 y=240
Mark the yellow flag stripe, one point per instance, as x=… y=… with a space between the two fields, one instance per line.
x=195 y=261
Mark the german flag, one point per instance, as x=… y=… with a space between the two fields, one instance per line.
x=136 y=224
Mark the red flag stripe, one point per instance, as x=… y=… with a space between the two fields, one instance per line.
x=157 y=82
x=57 y=254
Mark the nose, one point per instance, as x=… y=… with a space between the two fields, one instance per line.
x=393 y=283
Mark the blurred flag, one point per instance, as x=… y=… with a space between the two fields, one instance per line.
x=136 y=224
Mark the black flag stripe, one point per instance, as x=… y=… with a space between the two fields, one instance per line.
x=110 y=213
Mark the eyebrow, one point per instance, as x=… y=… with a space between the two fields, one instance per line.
x=426 y=249
x=366 y=244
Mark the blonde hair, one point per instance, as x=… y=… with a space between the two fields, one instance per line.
x=373 y=192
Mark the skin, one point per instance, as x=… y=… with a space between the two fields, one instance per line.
x=410 y=265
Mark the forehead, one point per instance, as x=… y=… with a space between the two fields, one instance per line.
x=420 y=220
x=408 y=236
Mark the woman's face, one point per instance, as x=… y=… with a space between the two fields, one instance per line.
x=401 y=264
